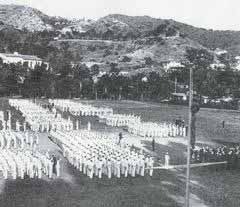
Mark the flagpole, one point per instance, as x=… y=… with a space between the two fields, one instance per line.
x=189 y=137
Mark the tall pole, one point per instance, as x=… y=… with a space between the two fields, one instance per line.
x=175 y=84
x=120 y=93
x=189 y=137
x=95 y=91
x=96 y=95
x=80 y=88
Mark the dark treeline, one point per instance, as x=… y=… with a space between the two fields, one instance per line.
x=80 y=81
x=65 y=80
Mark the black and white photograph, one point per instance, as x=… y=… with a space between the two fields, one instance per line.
x=109 y=103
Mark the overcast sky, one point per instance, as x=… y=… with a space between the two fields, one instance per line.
x=211 y=14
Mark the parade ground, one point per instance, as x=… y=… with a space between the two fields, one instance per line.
x=211 y=185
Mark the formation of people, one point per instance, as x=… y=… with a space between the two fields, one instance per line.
x=91 y=152
x=133 y=123
x=98 y=154
x=20 y=158
x=136 y=126
x=5 y=120
x=120 y=120
x=40 y=119
x=151 y=129
x=7 y=123
x=13 y=139
x=79 y=109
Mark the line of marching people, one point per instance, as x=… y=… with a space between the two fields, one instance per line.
x=12 y=139
x=41 y=119
x=120 y=120
x=6 y=123
x=144 y=129
x=132 y=122
x=96 y=154
x=19 y=159
x=16 y=163
x=79 y=109
x=151 y=129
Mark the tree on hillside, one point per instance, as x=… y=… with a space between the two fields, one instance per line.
x=108 y=35
x=158 y=86
x=36 y=83
x=125 y=58
x=160 y=29
x=148 y=61
x=171 y=31
x=94 y=70
x=200 y=60
x=9 y=78
x=82 y=80
x=114 y=70
x=12 y=77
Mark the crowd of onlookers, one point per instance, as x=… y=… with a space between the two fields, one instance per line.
x=219 y=154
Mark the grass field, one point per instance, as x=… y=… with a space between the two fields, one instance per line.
x=209 y=121
x=210 y=186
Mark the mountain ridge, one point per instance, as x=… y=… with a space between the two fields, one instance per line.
x=139 y=37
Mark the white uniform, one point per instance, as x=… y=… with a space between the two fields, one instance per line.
x=58 y=168
x=167 y=159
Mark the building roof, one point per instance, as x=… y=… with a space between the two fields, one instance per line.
x=219 y=51
x=179 y=94
x=25 y=57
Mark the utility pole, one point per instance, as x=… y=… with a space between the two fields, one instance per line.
x=94 y=89
x=120 y=93
x=96 y=95
x=175 y=89
x=189 y=137
x=80 y=88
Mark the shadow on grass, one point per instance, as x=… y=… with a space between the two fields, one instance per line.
x=219 y=186
x=229 y=143
x=177 y=152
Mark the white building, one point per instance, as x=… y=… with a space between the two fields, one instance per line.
x=179 y=96
x=15 y=58
x=216 y=66
x=124 y=73
x=219 y=52
x=238 y=63
x=172 y=65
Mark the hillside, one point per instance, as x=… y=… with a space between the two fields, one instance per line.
x=22 y=17
x=122 y=26
x=114 y=26
x=131 y=42
x=131 y=55
x=210 y=38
